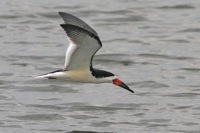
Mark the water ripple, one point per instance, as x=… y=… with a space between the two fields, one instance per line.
x=191 y=69
x=184 y=6
x=184 y=95
x=149 y=84
x=78 y=131
x=52 y=107
x=39 y=117
x=195 y=30
x=169 y=57
x=122 y=19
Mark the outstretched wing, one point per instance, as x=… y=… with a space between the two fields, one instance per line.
x=84 y=43
x=70 y=19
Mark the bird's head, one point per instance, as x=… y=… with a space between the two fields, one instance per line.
x=106 y=77
x=118 y=82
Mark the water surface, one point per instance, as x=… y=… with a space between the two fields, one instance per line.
x=153 y=46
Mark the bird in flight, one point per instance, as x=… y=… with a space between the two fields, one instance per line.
x=84 y=42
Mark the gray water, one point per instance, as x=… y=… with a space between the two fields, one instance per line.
x=152 y=45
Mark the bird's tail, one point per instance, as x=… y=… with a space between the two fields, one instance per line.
x=50 y=75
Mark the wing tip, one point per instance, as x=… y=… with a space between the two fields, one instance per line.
x=63 y=25
x=64 y=14
x=61 y=13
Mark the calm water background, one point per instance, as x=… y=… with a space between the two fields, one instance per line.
x=153 y=45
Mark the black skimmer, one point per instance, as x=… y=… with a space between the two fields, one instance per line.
x=84 y=42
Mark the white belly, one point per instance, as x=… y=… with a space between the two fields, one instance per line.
x=76 y=75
